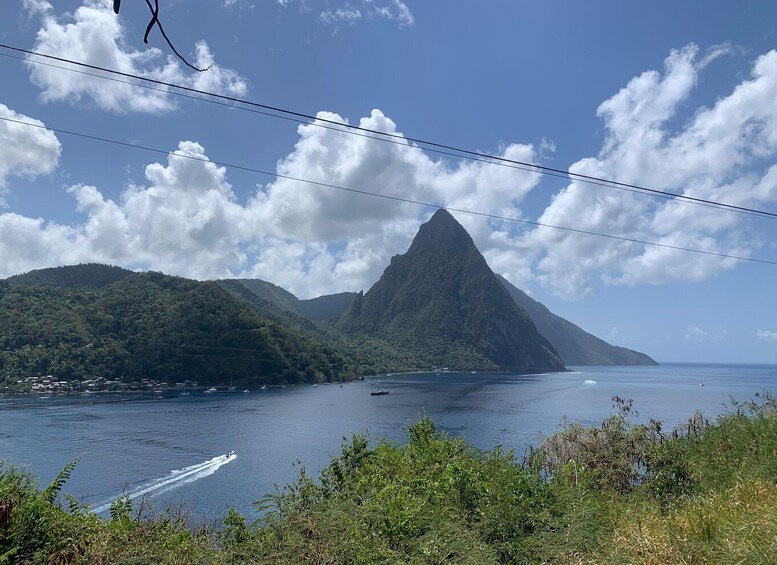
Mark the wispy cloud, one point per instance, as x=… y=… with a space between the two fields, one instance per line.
x=350 y=14
x=766 y=335
x=696 y=335
x=345 y=15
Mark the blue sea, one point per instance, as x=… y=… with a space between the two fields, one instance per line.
x=173 y=449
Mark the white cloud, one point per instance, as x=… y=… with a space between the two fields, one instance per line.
x=716 y=155
x=185 y=219
x=349 y=14
x=766 y=335
x=345 y=14
x=27 y=151
x=696 y=335
x=312 y=240
x=376 y=229
x=94 y=35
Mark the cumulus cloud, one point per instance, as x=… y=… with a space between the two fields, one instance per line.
x=766 y=335
x=718 y=154
x=185 y=219
x=374 y=228
x=27 y=151
x=350 y=14
x=93 y=34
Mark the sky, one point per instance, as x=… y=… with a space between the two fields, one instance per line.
x=674 y=96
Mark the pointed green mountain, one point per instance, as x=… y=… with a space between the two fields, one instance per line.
x=443 y=302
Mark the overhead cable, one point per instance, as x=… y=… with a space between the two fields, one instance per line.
x=385 y=196
x=404 y=140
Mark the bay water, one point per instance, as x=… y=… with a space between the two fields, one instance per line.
x=173 y=449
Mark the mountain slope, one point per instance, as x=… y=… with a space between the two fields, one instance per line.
x=326 y=307
x=443 y=301
x=317 y=309
x=576 y=346
x=361 y=354
x=268 y=291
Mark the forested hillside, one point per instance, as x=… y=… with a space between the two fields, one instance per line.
x=148 y=325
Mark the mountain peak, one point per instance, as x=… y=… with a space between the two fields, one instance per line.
x=442 y=232
x=441 y=302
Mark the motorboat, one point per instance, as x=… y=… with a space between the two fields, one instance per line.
x=211 y=389
x=264 y=387
x=380 y=392
x=230 y=454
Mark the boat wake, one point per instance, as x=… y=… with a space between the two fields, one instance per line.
x=174 y=480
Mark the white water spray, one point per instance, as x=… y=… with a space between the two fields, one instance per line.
x=174 y=479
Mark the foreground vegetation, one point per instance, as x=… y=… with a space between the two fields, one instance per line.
x=617 y=493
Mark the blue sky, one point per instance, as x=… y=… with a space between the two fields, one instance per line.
x=676 y=96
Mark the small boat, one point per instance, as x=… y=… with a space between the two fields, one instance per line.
x=379 y=392
x=231 y=389
x=211 y=389
x=184 y=394
x=246 y=391
x=229 y=454
x=315 y=384
x=264 y=387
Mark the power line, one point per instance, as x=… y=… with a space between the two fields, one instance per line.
x=723 y=207
x=355 y=133
x=402 y=139
x=385 y=196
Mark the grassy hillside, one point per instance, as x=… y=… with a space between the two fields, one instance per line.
x=615 y=493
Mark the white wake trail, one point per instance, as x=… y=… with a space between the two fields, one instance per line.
x=175 y=479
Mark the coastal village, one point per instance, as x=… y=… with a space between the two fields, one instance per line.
x=49 y=384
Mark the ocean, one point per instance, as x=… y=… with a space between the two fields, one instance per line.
x=173 y=450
